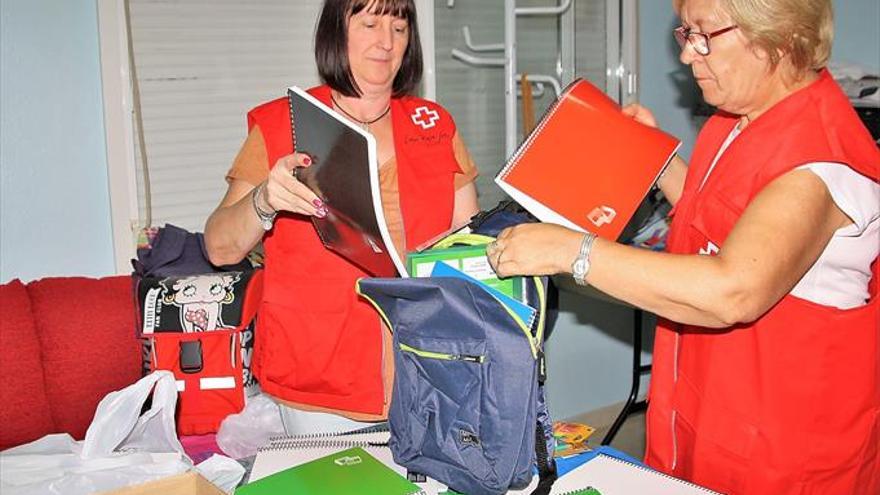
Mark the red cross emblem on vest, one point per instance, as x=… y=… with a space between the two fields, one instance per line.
x=710 y=249
x=425 y=117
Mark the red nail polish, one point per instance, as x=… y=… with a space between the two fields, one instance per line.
x=307 y=161
x=318 y=203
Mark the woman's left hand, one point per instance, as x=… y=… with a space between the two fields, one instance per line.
x=534 y=249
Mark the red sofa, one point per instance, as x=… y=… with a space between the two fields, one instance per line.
x=64 y=344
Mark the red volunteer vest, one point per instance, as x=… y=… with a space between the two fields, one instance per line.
x=317 y=342
x=789 y=404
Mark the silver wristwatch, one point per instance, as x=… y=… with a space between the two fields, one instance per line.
x=581 y=265
x=267 y=219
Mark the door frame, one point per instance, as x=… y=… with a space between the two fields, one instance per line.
x=118 y=131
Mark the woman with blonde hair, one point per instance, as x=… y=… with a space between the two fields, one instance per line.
x=766 y=372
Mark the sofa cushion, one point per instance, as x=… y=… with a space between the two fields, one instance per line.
x=87 y=335
x=24 y=407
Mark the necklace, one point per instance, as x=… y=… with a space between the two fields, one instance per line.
x=365 y=124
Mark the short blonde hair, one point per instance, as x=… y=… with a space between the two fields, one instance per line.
x=801 y=29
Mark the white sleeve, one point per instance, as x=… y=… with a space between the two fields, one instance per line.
x=856 y=195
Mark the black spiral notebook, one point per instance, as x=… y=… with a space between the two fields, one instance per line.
x=345 y=175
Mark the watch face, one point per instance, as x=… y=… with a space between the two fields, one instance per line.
x=579 y=266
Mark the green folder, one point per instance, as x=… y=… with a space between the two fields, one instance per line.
x=470 y=260
x=349 y=472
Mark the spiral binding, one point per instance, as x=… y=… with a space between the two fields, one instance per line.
x=651 y=471
x=377 y=428
x=321 y=443
x=290 y=93
x=546 y=118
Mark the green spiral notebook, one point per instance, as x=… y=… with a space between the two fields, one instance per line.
x=348 y=472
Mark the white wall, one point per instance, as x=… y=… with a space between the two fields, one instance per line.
x=54 y=200
x=857 y=36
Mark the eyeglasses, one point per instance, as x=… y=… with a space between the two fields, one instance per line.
x=699 y=41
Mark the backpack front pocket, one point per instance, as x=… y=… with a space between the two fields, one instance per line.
x=439 y=392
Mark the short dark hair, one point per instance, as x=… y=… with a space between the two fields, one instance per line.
x=331 y=44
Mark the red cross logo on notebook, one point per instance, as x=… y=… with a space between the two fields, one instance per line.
x=602 y=215
x=425 y=117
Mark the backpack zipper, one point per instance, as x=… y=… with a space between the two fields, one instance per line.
x=469 y=358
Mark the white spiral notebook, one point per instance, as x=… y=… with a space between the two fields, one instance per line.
x=612 y=476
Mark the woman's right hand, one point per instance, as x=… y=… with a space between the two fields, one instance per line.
x=283 y=192
x=641 y=114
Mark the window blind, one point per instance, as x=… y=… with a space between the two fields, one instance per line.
x=201 y=65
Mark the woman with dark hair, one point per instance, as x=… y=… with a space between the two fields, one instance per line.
x=766 y=369
x=319 y=348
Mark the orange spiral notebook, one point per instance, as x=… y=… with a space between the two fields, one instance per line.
x=586 y=165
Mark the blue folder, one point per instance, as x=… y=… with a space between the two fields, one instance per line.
x=523 y=311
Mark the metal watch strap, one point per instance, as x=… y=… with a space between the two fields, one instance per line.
x=581 y=265
x=266 y=219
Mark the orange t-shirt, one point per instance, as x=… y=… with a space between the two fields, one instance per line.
x=252 y=166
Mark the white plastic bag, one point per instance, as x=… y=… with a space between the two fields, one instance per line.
x=119 y=424
x=122 y=446
x=222 y=472
x=240 y=435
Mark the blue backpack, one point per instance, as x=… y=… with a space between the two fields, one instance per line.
x=468 y=404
